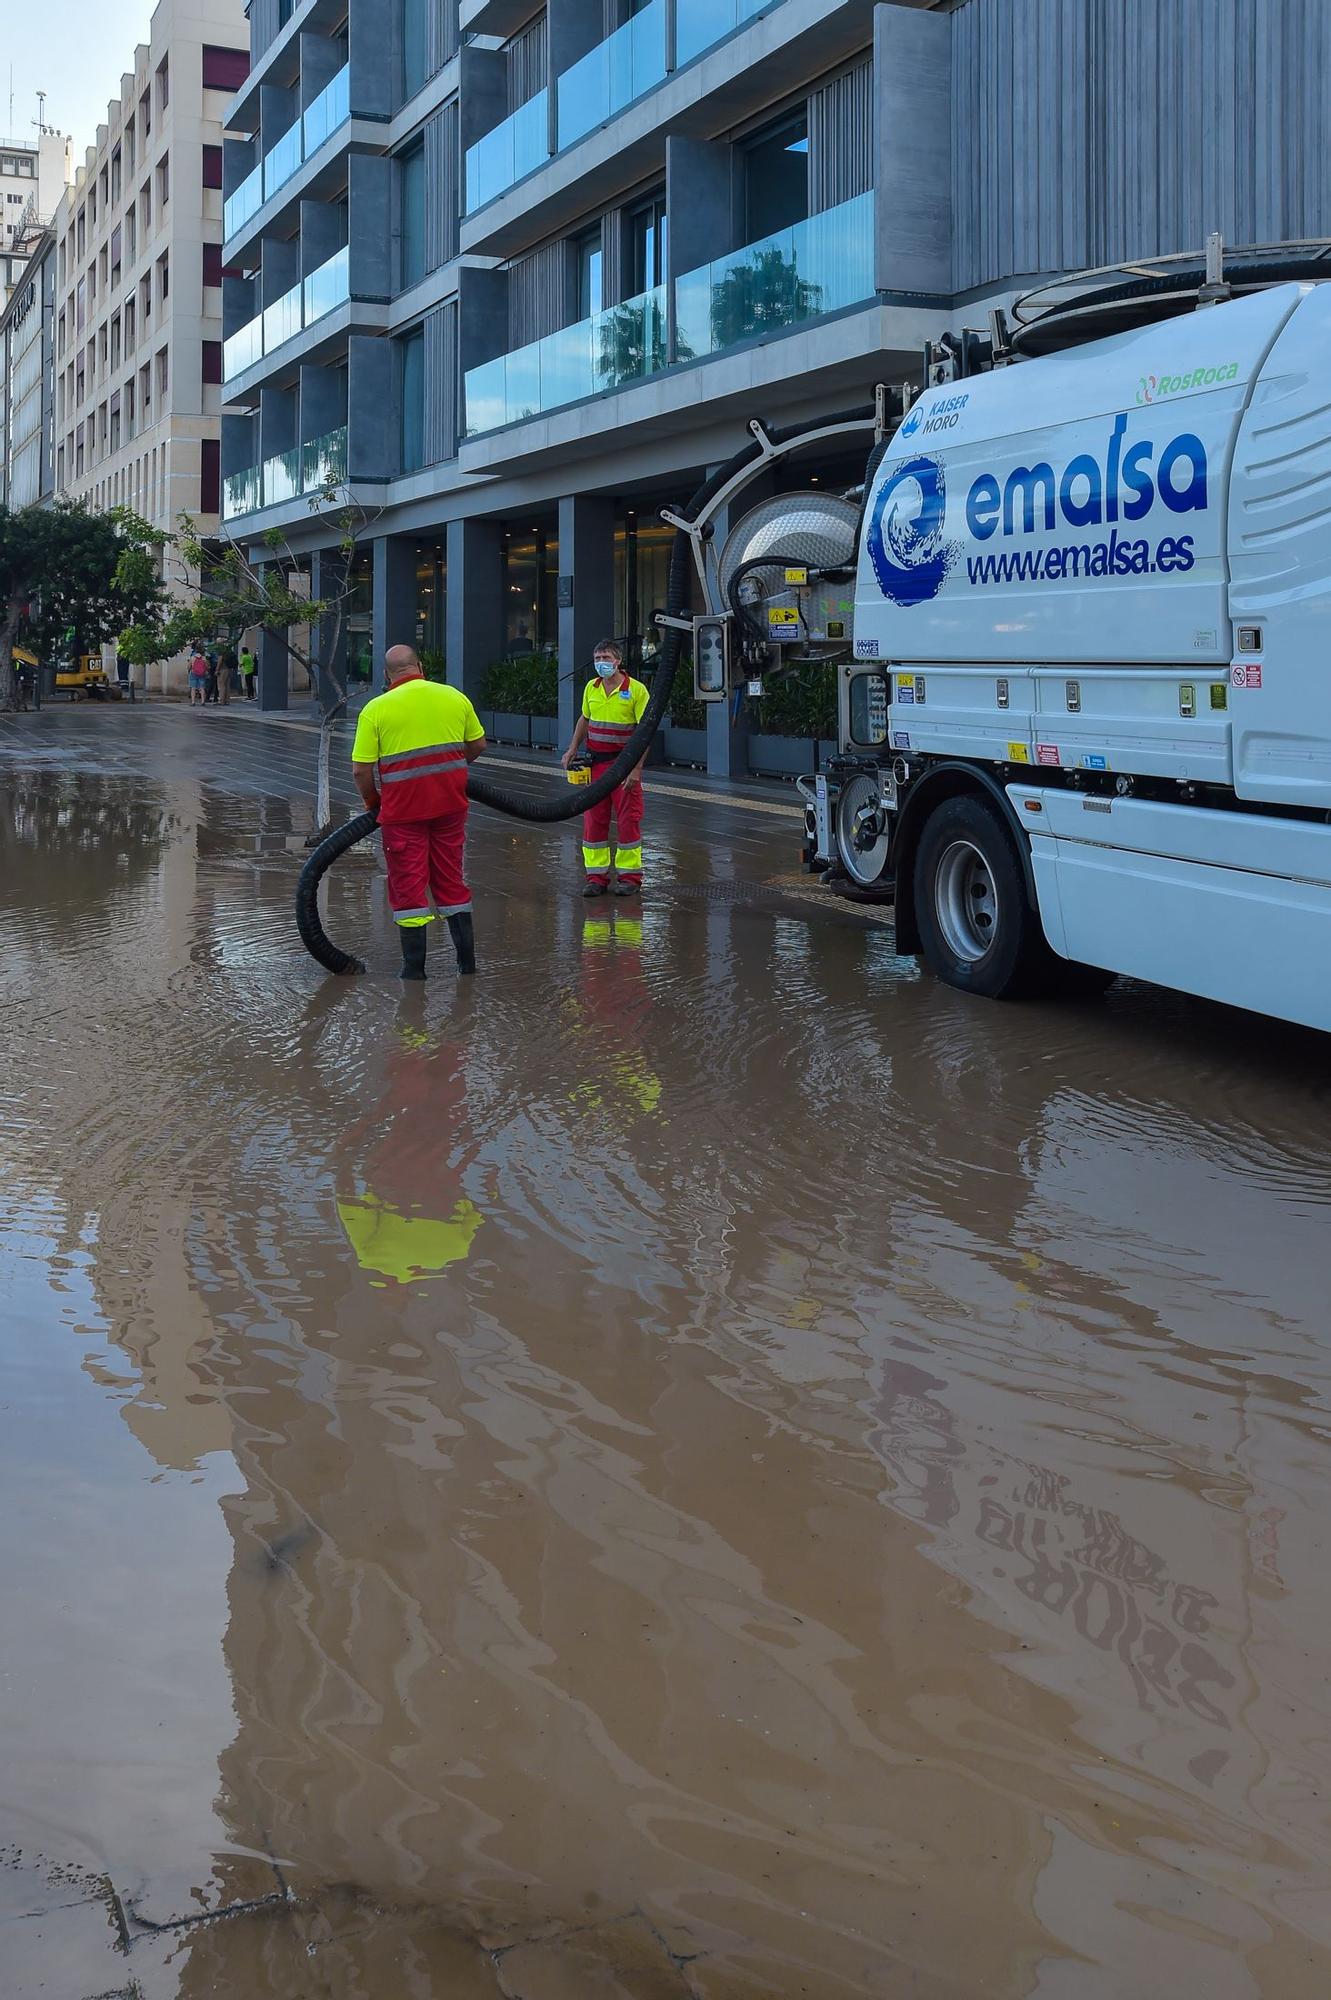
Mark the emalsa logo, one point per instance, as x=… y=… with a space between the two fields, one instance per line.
x=1150 y=388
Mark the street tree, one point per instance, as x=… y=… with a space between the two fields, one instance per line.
x=70 y=578
x=231 y=588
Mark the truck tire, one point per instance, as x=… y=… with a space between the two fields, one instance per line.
x=977 y=929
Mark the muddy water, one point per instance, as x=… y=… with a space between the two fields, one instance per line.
x=704 y=1465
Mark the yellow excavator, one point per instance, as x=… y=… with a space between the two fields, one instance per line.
x=77 y=675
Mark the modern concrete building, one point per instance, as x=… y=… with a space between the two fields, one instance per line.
x=27 y=379
x=32 y=180
x=139 y=276
x=517 y=272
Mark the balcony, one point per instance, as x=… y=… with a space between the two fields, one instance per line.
x=815 y=267
x=300 y=142
x=624 y=344
x=611 y=75
x=819 y=266
x=515 y=148
x=305 y=304
x=306 y=469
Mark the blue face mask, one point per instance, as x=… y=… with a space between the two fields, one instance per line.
x=607 y=669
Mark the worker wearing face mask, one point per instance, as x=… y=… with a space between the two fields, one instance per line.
x=612 y=706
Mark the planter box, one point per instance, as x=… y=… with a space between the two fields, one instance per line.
x=684 y=746
x=788 y=756
x=527 y=732
x=544 y=732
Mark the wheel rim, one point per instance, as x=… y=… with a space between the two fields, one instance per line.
x=862 y=833
x=966 y=901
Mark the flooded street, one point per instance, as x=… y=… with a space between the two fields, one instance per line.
x=699 y=1463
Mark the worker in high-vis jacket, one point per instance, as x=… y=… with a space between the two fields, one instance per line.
x=612 y=706
x=413 y=745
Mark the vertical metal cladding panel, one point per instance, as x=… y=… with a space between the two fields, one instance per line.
x=442 y=36
x=263 y=27
x=441 y=186
x=538 y=294
x=440 y=439
x=841 y=139
x=526 y=61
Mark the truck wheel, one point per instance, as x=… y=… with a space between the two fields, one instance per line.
x=977 y=929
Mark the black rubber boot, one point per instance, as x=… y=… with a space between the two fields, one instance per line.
x=463 y=935
x=415 y=943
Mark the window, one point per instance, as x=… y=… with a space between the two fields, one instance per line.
x=131 y=234
x=413 y=401
x=92 y=203
x=129 y=147
x=587 y=264
x=163 y=84
x=106 y=188
x=647 y=247
x=115 y=343
x=210 y=476
x=115 y=423
x=145 y=389
x=164 y=277
x=115 y=175
x=412 y=184
x=131 y=337
x=102 y=427
x=161 y=374
x=129 y=408
x=163 y=181
x=224 y=69
x=146 y=112
x=415 y=62
x=212 y=263
x=145 y=298
x=102 y=267
x=145 y=207
x=212 y=360
x=78 y=452
x=103 y=339
x=776 y=178
x=115 y=255
x=82 y=231
x=60 y=335
x=212 y=166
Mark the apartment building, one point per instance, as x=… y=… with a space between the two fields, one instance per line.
x=516 y=273
x=32 y=180
x=27 y=378
x=139 y=275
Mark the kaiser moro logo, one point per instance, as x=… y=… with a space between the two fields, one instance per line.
x=912 y=423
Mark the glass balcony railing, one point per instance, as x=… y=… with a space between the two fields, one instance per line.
x=241 y=493
x=513 y=149
x=281 y=320
x=331 y=108
x=612 y=74
x=328 y=287
x=308 y=468
x=699 y=23
x=323 y=461
x=623 y=344
x=322 y=292
x=815 y=267
x=242 y=349
x=281 y=477
x=242 y=203
x=281 y=161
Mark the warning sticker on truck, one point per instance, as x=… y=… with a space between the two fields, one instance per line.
x=1047 y=753
x=1246 y=674
x=1018 y=753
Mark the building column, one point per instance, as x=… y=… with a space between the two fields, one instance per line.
x=474 y=614
x=274 y=669
x=393 y=616
x=328 y=578
x=587 y=581
x=728 y=737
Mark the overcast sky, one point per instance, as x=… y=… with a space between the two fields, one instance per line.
x=74 y=50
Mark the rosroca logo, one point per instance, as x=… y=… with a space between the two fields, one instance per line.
x=905 y=534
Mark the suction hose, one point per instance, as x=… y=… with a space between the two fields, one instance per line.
x=577 y=799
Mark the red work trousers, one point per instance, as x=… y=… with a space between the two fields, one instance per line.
x=625 y=802
x=424 y=859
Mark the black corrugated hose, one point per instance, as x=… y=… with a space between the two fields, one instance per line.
x=575 y=799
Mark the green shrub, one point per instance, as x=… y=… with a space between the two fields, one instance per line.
x=800 y=703
x=433 y=664
x=527 y=685
x=685 y=711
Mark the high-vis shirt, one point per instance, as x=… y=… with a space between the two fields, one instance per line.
x=612 y=714
x=416 y=734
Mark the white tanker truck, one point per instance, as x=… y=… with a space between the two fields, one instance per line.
x=1080 y=617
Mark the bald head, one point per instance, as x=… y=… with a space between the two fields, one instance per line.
x=400 y=664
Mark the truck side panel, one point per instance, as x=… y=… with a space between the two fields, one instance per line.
x=1229 y=906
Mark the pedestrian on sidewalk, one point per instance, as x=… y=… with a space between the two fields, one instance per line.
x=125 y=677
x=226 y=675
x=210 y=678
x=409 y=760
x=249 y=673
x=612 y=706
x=198 y=678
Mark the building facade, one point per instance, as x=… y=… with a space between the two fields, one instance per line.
x=27 y=380
x=139 y=276
x=32 y=180
x=513 y=274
